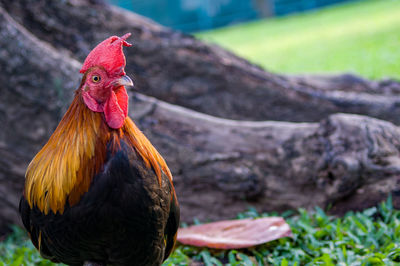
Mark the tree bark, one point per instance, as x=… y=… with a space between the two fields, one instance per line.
x=220 y=166
x=179 y=69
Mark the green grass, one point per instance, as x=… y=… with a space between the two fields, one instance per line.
x=370 y=237
x=361 y=37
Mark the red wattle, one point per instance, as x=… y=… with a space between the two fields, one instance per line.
x=116 y=108
x=123 y=100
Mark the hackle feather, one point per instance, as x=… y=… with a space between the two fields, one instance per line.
x=63 y=169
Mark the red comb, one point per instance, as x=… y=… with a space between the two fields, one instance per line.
x=109 y=55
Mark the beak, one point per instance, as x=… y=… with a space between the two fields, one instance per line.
x=124 y=81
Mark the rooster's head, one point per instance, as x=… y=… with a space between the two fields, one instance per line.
x=104 y=80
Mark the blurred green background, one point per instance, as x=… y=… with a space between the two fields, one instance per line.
x=361 y=37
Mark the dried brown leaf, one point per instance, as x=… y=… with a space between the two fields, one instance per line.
x=235 y=234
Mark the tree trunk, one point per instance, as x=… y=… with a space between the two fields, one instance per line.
x=220 y=166
x=179 y=69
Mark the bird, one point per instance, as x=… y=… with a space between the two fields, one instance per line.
x=98 y=192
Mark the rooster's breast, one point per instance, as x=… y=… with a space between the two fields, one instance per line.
x=121 y=220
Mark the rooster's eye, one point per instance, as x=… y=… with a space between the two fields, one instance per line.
x=96 y=78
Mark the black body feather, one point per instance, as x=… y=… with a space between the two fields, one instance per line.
x=126 y=217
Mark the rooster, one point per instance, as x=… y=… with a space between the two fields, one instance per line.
x=99 y=193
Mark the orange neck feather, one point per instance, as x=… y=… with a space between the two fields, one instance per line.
x=64 y=168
